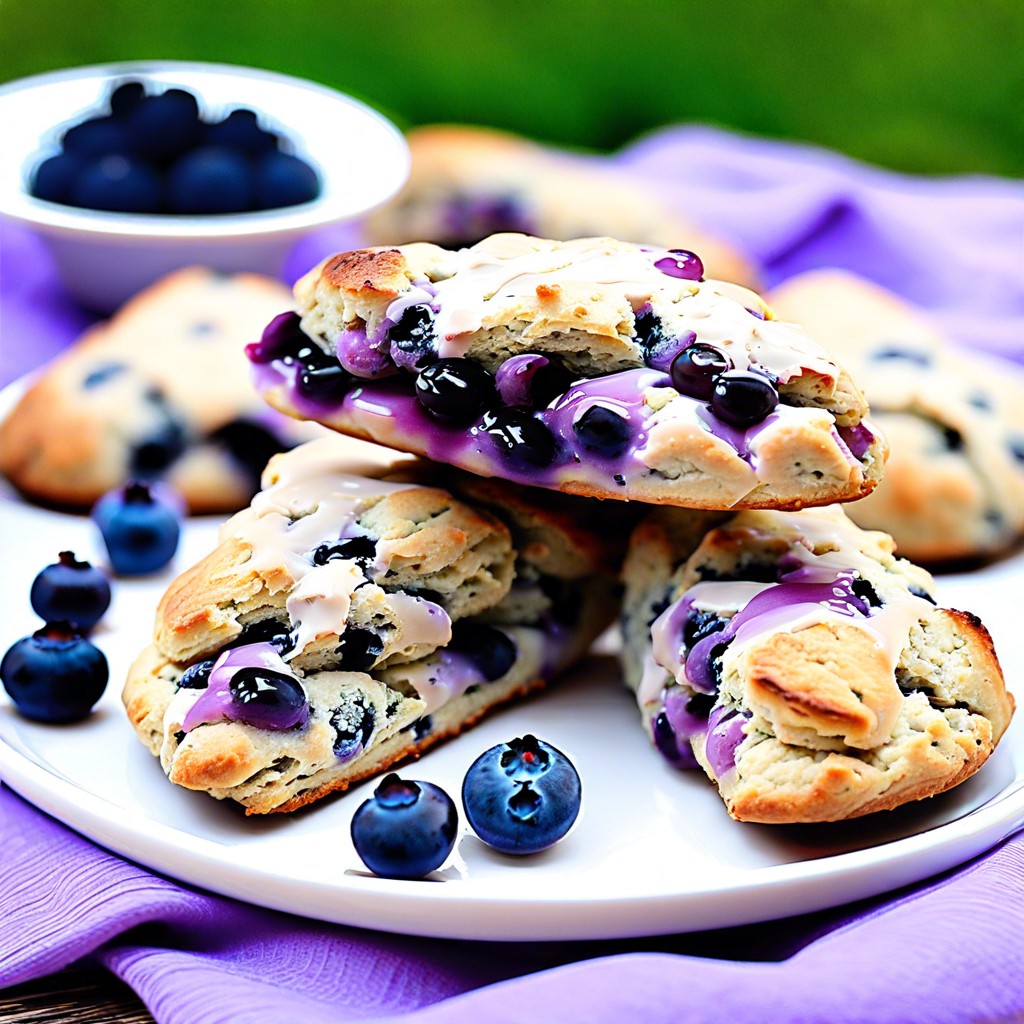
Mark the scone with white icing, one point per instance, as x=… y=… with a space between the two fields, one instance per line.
x=954 y=485
x=806 y=669
x=467 y=183
x=593 y=367
x=161 y=391
x=345 y=622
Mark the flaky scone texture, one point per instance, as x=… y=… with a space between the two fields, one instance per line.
x=161 y=390
x=393 y=613
x=469 y=182
x=954 y=485
x=806 y=668
x=610 y=315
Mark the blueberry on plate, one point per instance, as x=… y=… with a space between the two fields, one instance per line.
x=70 y=590
x=211 y=179
x=521 y=796
x=406 y=829
x=120 y=184
x=284 y=180
x=55 y=675
x=455 y=390
x=140 y=527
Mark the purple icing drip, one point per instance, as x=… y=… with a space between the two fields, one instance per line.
x=735 y=437
x=683 y=264
x=725 y=734
x=275 y=338
x=857 y=438
x=216 y=704
x=684 y=725
x=514 y=375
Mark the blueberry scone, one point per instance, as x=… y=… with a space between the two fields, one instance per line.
x=806 y=669
x=467 y=183
x=345 y=623
x=594 y=367
x=954 y=486
x=160 y=391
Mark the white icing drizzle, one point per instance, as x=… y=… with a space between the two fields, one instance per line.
x=420 y=622
x=514 y=266
x=318 y=604
x=311 y=495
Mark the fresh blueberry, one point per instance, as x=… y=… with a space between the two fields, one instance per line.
x=742 y=398
x=324 y=383
x=695 y=369
x=492 y=651
x=197 y=676
x=683 y=264
x=99 y=136
x=120 y=184
x=54 y=675
x=55 y=177
x=412 y=338
x=455 y=390
x=163 y=127
x=521 y=796
x=266 y=699
x=125 y=98
x=284 y=180
x=140 y=527
x=210 y=179
x=353 y=723
x=250 y=445
x=241 y=131
x=603 y=431
x=525 y=441
x=406 y=829
x=280 y=339
x=359 y=649
x=70 y=591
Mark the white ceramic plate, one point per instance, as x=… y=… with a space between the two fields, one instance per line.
x=653 y=852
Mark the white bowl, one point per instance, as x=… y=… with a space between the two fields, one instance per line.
x=104 y=258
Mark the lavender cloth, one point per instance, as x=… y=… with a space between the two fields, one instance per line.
x=948 y=951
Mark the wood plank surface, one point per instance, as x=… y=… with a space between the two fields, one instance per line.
x=73 y=997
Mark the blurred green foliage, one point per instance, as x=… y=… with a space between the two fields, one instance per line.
x=918 y=85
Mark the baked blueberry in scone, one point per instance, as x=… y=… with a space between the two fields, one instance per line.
x=159 y=392
x=467 y=183
x=345 y=623
x=806 y=669
x=593 y=367
x=954 y=485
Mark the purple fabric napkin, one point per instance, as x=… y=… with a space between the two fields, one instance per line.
x=949 y=951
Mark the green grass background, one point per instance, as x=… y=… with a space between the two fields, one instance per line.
x=917 y=85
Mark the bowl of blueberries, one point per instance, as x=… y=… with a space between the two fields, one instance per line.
x=128 y=171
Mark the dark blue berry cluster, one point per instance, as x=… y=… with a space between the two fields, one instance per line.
x=156 y=153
